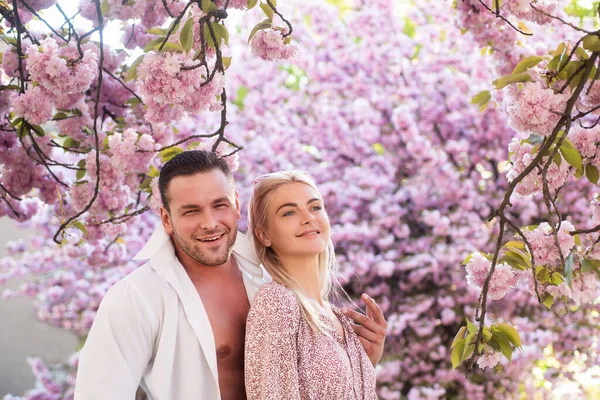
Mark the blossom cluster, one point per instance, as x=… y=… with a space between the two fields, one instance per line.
x=169 y=91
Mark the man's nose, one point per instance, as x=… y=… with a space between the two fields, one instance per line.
x=207 y=220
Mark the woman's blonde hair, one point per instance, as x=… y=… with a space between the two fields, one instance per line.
x=258 y=207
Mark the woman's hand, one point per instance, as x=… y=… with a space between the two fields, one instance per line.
x=370 y=328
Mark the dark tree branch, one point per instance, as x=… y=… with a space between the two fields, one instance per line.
x=289 y=25
x=96 y=139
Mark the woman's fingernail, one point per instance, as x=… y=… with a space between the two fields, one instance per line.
x=344 y=310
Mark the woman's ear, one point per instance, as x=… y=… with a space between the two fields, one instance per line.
x=262 y=236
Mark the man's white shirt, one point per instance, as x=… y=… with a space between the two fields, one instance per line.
x=152 y=329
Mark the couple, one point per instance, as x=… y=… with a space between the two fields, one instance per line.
x=202 y=319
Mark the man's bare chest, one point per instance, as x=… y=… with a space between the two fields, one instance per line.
x=227 y=308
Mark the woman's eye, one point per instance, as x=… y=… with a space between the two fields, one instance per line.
x=288 y=213
x=317 y=208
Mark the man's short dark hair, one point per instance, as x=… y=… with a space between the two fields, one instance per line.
x=189 y=163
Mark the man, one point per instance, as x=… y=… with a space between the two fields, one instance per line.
x=176 y=325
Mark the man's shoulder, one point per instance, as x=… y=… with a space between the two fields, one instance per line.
x=143 y=283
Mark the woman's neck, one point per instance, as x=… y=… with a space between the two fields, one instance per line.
x=305 y=272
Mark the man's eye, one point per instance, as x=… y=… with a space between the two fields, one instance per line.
x=189 y=212
x=221 y=205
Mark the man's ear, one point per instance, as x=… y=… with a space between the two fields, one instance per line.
x=262 y=236
x=165 y=218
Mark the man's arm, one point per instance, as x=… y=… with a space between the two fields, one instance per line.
x=370 y=328
x=118 y=347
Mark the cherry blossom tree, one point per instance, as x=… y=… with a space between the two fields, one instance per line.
x=388 y=105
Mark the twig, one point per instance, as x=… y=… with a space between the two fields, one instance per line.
x=96 y=139
x=123 y=84
x=124 y=217
x=31 y=10
x=19 y=45
x=290 y=29
x=175 y=23
x=11 y=207
x=167 y=9
x=498 y=15
x=9 y=193
x=561 y=20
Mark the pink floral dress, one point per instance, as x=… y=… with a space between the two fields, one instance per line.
x=285 y=359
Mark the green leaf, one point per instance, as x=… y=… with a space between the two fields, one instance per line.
x=105 y=7
x=208 y=6
x=527 y=63
x=59 y=116
x=482 y=99
x=69 y=142
x=169 y=153
x=266 y=24
x=469 y=346
x=80 y=174
x=251 y=4
x=468 y=259
x=588 y=264
x=81 y=227
x=581 y=54
x=268 y=11
x=548 y=302
x=503 y=343
x=556 y=278
x=132 y=72
x=153 y=44
x=241 y=95
x=157 y=31
x=457 y=353
x=471 y=327
x=221 y=32
x=591 y=43
x=557 y=159
x=569 y=269
x=226 y=62
x=38 y=130
x=506 y=80
x=207 y=36
x=515 y=244
x=591 y=173
x=154 y=172
x=186 y=36
x=510 y=332
x=570 y=154
x=487 y=335
x=459 y=336
x=409 y=27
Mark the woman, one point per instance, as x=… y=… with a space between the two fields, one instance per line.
x=298 y=345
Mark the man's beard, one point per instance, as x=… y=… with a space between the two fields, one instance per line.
x=210 y=258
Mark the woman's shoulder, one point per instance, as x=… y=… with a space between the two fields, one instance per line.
x=277 y=299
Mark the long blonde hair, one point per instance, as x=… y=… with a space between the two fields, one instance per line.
x=258 y=208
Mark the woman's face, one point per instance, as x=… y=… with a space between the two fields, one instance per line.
x=297 y=224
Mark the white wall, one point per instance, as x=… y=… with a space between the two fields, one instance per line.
x=22 y=335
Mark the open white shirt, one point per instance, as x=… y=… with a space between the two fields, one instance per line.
x=152 y=330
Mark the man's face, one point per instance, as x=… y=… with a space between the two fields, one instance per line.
x=204 y=210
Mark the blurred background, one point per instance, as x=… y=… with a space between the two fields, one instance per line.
x=22 y=335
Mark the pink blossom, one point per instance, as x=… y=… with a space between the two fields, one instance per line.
x=504 y=277
x=269 y=45
x=534 y=109
x=59 y=74
x=543 y=244
x=522 y=9
x=489 y=359
x=35 y=105
x=168 y=91
x=125 y=146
